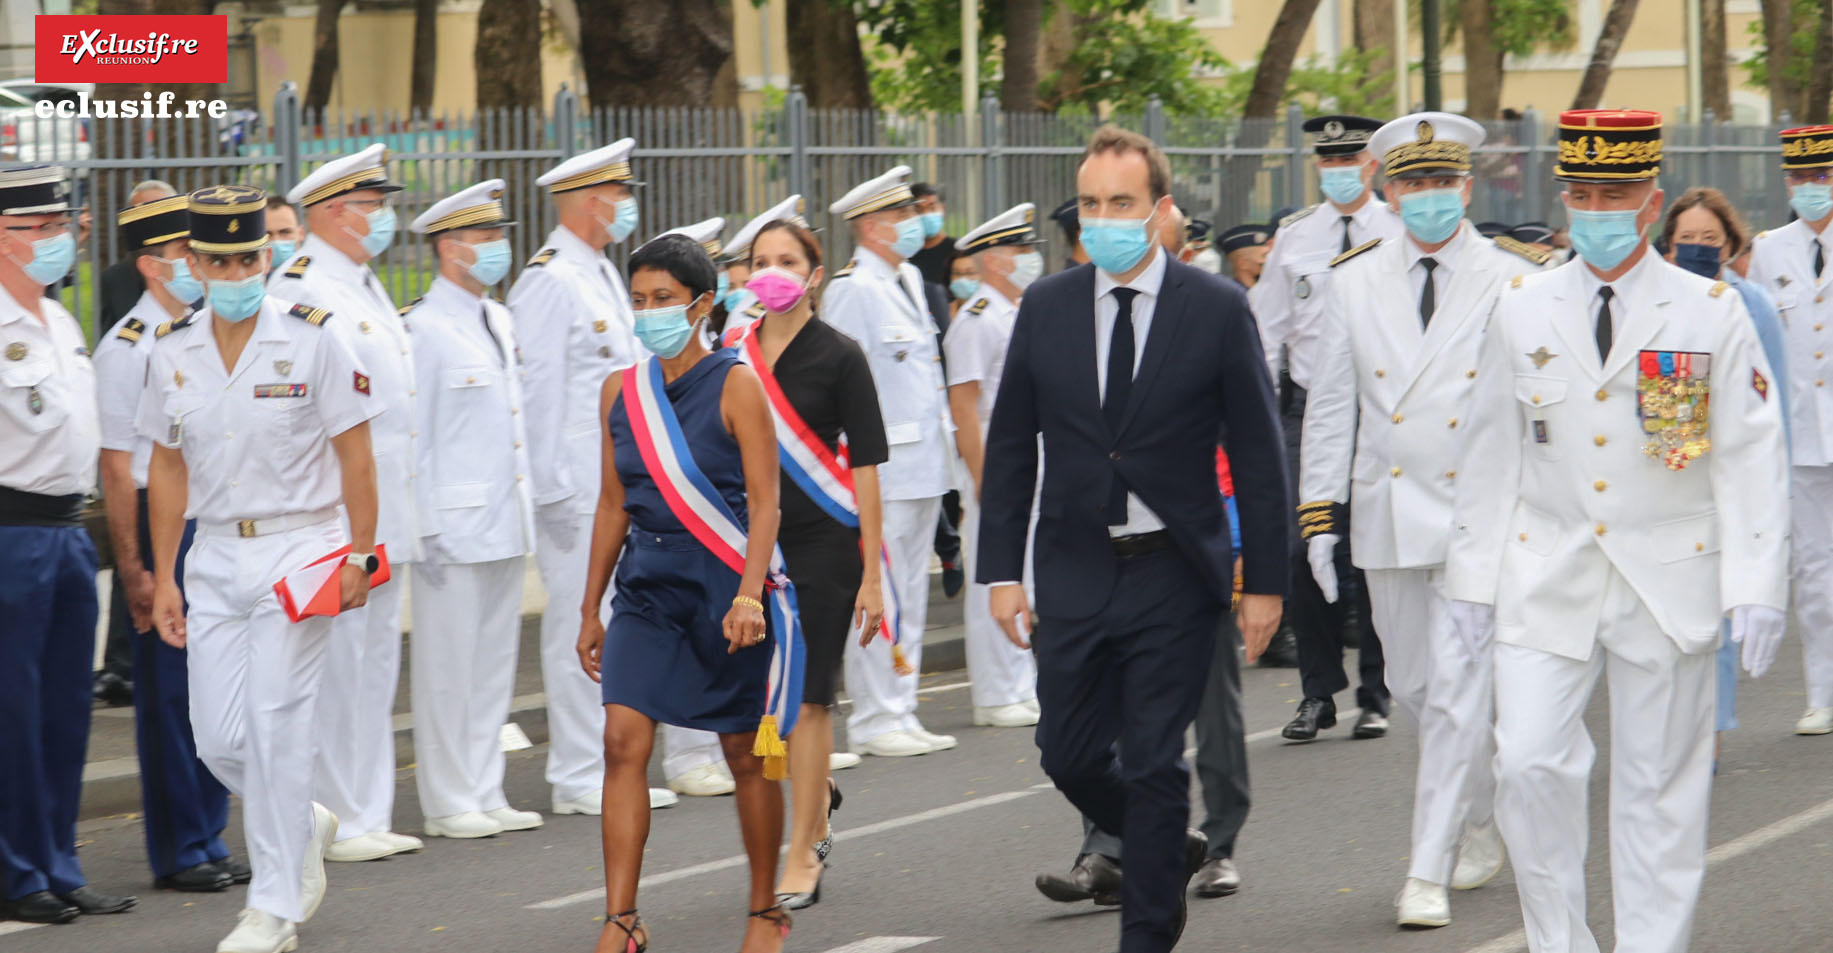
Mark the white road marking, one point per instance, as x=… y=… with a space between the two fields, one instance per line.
x=1730 y=850
x=884 y=944
x=15 y=927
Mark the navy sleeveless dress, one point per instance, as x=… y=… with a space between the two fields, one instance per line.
x=665 y=649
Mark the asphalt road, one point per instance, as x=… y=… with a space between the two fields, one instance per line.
x=937 y=854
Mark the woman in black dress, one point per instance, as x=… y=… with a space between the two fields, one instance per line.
x=822 y=374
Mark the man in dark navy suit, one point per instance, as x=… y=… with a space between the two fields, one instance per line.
x=1129 y=367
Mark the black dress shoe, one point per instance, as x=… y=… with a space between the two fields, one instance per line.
x=113 y=690
x=952 y=578
x=1218 y=878
x=238 y=871
x=40 y=907
x=1282 y=652
x=94 y=903
x=1371 y=724
x=1196 y=847
x=1094 y=877
x=1314 y=714
x=202 y=878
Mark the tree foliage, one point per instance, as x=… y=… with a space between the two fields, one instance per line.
x=1520 y=27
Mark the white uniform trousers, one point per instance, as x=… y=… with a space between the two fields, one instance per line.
x=464 y=670
x=1448 y=695
x=684 y=749
x=356 y=734
x=882 y=699
x=1660 y=781
x=1811 y=537
x=254 y=680
x=575 y=707
x=1001 y=673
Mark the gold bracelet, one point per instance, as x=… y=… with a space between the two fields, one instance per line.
x=747 y=602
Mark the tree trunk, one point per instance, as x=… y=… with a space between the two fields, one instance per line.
x=1024 y=40
x=508 y=56
x=1374 y=20
x=824 y=54
x=1715 y=59
x=1276 y=60
x=426 y=55
x=1610 y=39
x=1062 y=26
x=1482 y=62
x=324 y=56
x=643 y=53
x=1778 y=30
x=1819 y=92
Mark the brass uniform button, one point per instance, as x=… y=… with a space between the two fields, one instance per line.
x=1599 y=440
x=1450 y=474
x=1470 y=373
x=1603 y=394
x=1394 y=472
x=1600 y=486
x=1699 y=547
x=1398 y=418
x=1600 y=529
x=1536 y=398
x=1380 y=373
x=1452 y=423
x=1523 y=537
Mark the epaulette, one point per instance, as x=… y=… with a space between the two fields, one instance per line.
x=315 y=317
x=542 y=257
x=756 y=311
x=173 y=325
x=979 y=305
x=1353 y=252
x=843 y=272
x=404 y=309
x=298 y=267
x=1515 y=246
x=1718 y=288
x=1295 y=216
x=131 y=330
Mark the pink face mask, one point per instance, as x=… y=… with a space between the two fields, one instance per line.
x=779 y=289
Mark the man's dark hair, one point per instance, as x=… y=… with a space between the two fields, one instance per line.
x=682 y=258
x=923 y=190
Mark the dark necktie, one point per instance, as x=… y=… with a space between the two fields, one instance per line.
x=1346 y=220
x=1428 y=294
x=1820 y=258
x=484 y=315
x=1119 y=387
x=1604 y=330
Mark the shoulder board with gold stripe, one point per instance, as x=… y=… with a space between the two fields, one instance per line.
x=1517 y=247
x=979 y=305
x=1718 y=288
x=298 y=267
x=542 y=257
x=131 y=329
x=755 y=312
x=170 y=326
x=1353 y=252
x=842 y=273
x=404 y=309
x=1295 y=216
x=315 y=317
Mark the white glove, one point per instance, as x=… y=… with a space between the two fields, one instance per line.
x=1475 y=625
x=560 y=523
x=1322 y=552
x=1759 y=630
x=431 y=567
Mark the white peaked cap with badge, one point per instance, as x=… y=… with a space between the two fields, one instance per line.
x=1426 y=143
x=788 y=210
x=705 y=232
x=479 y=206
x=367 y=169
x=891 y=190
x=608 y=164
x=1014 y=226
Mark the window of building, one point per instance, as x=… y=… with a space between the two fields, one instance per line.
x=1205 y=13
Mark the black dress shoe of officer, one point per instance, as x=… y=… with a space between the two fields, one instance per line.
x=1094 y=877
x=40 y=907
x=1218 y=878
x=1314 y=714
x=1371 y=724
x=202 y=878
x=238 y=871
x=1196 y=847
x=113 y=690
x=94 y=903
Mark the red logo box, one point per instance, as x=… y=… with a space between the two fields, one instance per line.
x=131 y=49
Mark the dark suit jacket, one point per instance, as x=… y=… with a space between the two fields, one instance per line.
x=1202 y=372
x=121 y=289
x=936 y=297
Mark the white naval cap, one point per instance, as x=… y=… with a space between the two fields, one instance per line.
x=608 y=164
x=367 y=169
x=788 y=210
x=1014 y=226
x=705 y=232
x=891 y=190
x=1426 y=143
x=479 y=206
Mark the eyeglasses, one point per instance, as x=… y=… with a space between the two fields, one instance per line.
x=50 y=229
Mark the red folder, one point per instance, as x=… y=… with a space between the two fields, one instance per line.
x=316 y=589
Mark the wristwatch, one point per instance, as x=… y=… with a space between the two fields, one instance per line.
x=367 y=562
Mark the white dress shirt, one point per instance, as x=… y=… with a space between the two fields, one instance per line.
x=1440 y=276
x=1623 y=290
x=49 y=435
x=1140 y=519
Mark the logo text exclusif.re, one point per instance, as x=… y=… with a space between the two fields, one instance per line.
x=131 y=49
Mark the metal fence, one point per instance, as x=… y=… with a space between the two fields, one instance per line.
x=700 y=162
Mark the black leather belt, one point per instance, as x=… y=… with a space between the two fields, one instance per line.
x=1126 y=547
x=19 y=508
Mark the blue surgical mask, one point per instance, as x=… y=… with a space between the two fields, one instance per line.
x=725 y=285
x=962 y=287
x=932 y=224
x=51 y=259
x=1702 y=260
x=1605 y=238
x=625 y=223
x=1812 y=201
x=237 y=300
x=664 y=331
x=1027 y=267
x=283 y=250
x=1115 y=245
x=492 y=261
x=909 y=238
x=1433 y=215
x=738 y=299
x=381 y=231
x=182 y=285
x=1341 y=184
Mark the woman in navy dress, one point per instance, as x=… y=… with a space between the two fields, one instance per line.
x=687 y=643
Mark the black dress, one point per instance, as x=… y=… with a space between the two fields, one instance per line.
x=825 y=376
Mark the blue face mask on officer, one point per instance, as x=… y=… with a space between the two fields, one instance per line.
x=51 y=259
x=182 y=285
x=909 y=238
x=492 y=261
x=234 y=300
x=1432 y=215
x=1604 y=238
x=1341 y=184
x=381 y=223
x=283 y=250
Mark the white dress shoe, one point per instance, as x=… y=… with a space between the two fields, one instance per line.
x=936 y=742
x=709 y=780
x=592 y=803
x=1423 y=904
x=1016 y=715
x=259 y=932
x=403 y=843
x=1817 y=721
x=465 y=826
x=662 y=797
x=312 y=880
x=1031 y=703
x=1479 y=857
x=357 y=849
x=514 y=820
x=894 y=744
x=842 y=760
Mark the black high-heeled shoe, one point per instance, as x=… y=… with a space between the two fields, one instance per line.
x=825 y=845
x=802 y=901
x=636 y=923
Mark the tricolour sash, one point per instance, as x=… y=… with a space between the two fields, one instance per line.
x=822 y=474
x=694 y=501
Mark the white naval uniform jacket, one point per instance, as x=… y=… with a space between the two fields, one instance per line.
x=1288 y=300
x=49 y=434
x=120 y=368
x=1555 y=488
x=371 y=326
x=572 y=317
x=473 y=458
x=882 y=308
x=1782 y=263
x=1409 y=386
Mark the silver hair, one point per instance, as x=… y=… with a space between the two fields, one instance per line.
x=153 y=185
